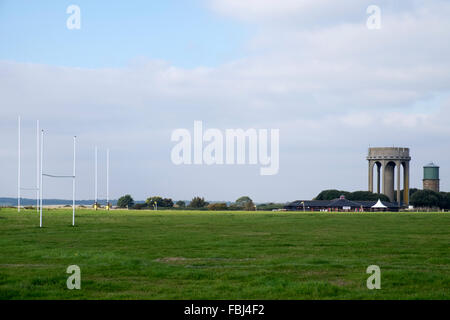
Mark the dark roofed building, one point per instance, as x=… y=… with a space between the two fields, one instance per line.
x=340 y=204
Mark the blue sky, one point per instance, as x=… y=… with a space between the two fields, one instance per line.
x=138 y=70
x=113 y=33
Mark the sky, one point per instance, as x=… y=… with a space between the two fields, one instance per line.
x=136 y=71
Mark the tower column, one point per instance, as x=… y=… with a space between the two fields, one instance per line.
x=406 y=183
x=383 y=172
x=371 y=175
x=388 y=179
x=378 y=178
x=398 y=165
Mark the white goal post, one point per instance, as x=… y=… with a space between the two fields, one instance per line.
x=96 y=204
x=42 y=175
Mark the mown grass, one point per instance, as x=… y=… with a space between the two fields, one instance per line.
x=223 y=255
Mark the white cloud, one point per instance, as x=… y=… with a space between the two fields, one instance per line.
x=277 y=11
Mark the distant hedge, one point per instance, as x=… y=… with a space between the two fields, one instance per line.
x=430 y=199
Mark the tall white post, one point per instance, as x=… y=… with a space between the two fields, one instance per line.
x=37 y=165
x=41 y=184
x=73 y=182
x=18 y=169
x=107 y=178
x=96 y=194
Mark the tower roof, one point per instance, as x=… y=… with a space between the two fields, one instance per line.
x=431 y=165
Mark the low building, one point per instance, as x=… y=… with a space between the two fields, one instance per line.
x=340 y=205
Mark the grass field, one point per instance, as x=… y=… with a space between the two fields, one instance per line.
x=224 y=255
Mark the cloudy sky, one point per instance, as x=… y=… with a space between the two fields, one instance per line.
x=137 y=70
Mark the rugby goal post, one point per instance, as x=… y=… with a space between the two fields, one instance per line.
x=96 y=199
x=42 y=175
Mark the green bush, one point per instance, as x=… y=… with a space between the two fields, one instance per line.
x=445 y=200
x=198 y=202
x=217 y=206
x=427 y=198
x=181 y=204
x=125 y=201
x=160 y=202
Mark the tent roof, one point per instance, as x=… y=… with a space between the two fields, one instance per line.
x=379 y=204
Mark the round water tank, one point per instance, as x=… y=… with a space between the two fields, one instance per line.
x=431 y=172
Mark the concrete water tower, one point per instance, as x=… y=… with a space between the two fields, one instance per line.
x=386 y=161
x=431 y=177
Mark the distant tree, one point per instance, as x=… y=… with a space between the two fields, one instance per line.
x=152 y=200
x=331 y=194
x=366 y=196
x=217 y=206
x=167 y=203
x=426 y=198
x=161 y=202
x=125 y=201
x=445 y=200
x=249 y=206
x=412 y=191
x=242 y=201
x=180 y=204
x=198 y=202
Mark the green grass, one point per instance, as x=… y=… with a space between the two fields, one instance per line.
x=224 y=255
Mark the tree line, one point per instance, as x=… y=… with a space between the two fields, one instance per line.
x=418 y=198
x=156 y=202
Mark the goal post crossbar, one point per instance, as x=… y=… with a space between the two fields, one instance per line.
x=56 y=176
